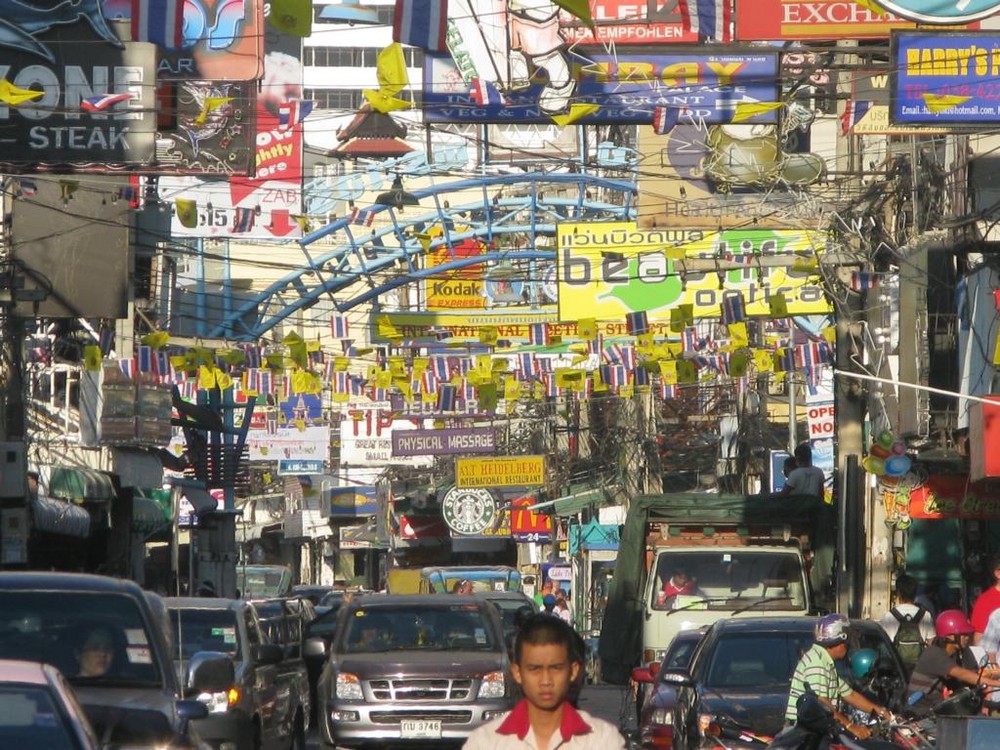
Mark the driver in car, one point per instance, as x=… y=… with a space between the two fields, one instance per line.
x=97 y=653
x=680 y=583
x=945 y=665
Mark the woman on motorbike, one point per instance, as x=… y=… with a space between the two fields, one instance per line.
x=945 y=665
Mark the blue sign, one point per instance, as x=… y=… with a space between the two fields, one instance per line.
x=941 y=11
x=354 y=501
x=705 y=87
x=290 y=467
x=949 y=78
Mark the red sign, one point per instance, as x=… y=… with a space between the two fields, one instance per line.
x=527 y=525
x=953 y=496
x=766 y=20
x=629 y=22
x=423 y=527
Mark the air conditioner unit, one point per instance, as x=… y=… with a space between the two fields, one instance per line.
x=13 y=470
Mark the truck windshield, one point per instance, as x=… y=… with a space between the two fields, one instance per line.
x=459 y=627
x=205 y=630
x=716 y=579
x=263 y=581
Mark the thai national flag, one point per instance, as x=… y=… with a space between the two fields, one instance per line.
x=551 y=389
x=103 y=101
x=158 y=21
x=421 y=23
x=636 y=323
x=853 y=113
x=862 y=281
x=107 y=340
x=127 y=367
x=668 y=391
x=641 y=376
x=440 y=367
x=733 y=308
x=27 y=187
x=161 y=365
x=243 y=220
x=429 y=382
x=664 y=119
x=480 y=92
x=265 y=384
x=293 y=112
x=446 y=398
x=538 y=334
x=526 y=361
x=251 y=355
x=145 y=357
x=363 y=217
x=339 y=327
x=709 y=19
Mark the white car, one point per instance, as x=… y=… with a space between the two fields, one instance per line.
x=38 y=709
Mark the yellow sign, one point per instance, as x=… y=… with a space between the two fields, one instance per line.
x=500 y=471
x=459 y=289
x=876 y=122
x=610 y=270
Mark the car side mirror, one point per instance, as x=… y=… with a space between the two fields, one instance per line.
x=642 y=674
x=314 y=647
x=270 y=653
x=188 y=711
x=677 y=677
x=210 y=672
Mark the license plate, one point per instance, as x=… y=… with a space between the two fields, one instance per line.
x=420 y=729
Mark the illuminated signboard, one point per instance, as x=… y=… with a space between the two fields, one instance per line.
x=626 y=87
x=945 y=78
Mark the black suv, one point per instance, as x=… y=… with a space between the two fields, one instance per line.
x=741 y=670
x=283 y=623
x=264 y=704
x=109 y=638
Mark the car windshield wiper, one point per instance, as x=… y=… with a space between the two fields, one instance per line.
x=704 y=600
x=768 y=600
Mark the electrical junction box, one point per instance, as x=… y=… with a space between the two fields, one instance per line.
x=13 y=470
x=984 y=438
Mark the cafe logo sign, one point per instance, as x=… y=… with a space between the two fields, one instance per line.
x=469 y=511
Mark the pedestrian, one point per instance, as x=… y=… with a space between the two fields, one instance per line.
x=549 y=605
x=545 y=589
x=546 y=664
x=788 y=466
x=463 y=587
x=804 y=479
x=987 y=603
x=818 y=669
x=909 y=626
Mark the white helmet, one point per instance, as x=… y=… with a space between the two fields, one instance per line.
x=831 y=630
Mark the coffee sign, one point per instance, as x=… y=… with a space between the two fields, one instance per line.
x=469 y=511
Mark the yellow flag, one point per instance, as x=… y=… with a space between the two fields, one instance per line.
x=12 y=95
x=778 y=305
x=383 y=379
x=668 y=371
x=211 y=104
x=92 y=358
x=644 y=343
x=406 y=388
x=996 y=351
x=486 y=394
x=762 y=360
x=390 y=69
x=420 y=365
x=488 y=335
x=340 y=364
x=677 y=322
x=206 y=377
x=223 y=380
x=738 y=364
x=384 y=103
x=156 y=339
x=397 y=366
x=830 y=334
x=511 y=389
x=569 y=378
x=749 y=110
x=686 y=371
x=292 y=17
x=738 y=334
x=576 y=112
x=187 y=212
x=586 y=328
x=937 y=103
x=384 y=327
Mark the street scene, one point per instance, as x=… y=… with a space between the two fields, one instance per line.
x=499 y=374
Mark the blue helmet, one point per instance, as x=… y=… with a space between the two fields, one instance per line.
x=862 y=662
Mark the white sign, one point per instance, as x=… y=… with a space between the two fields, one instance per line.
x=469 y=511
x=822 y=422
x=366 y=440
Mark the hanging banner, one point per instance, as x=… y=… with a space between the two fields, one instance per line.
x=627 y=88
x=609 y=270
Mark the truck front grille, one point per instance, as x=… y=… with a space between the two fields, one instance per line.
x=421 y=689
x=445 y=717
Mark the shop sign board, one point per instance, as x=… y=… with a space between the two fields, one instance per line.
x=946 y=78
x=628 y=22
x=293 y=467
x=626 y=88
x=609 y=270
x=527 y=525
x=500 y=471
x=947 y=496
x=444 y=442
x=796 y=20
x=822 y=420
x=366 y=438
x=469 y=511
x=941 y=12
x=353 y=501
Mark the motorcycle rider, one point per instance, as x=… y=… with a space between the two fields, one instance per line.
x=817 y=669
x=946 y=665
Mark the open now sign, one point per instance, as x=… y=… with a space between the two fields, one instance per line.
x=821 y=420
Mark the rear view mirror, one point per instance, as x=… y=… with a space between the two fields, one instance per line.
x=677 y=677
x=314 y=647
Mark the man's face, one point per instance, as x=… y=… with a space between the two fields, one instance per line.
x=96 y=656
x=545 y=673
x=839 y=651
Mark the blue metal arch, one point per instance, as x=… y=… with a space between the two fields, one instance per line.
x=530 y=205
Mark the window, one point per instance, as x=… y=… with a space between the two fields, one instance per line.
x=460 y=627
x=30 y=718
x=755 y=661
x=205 y=630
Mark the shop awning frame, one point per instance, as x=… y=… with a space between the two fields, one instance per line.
x=72 y=483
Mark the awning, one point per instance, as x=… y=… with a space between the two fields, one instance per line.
x=577 y=502
x=149 y=517
x=59 y=517
x=80 y=484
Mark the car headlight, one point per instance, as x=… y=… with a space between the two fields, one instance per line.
x=494 y=685
x=349 y=687
x=221 y=702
